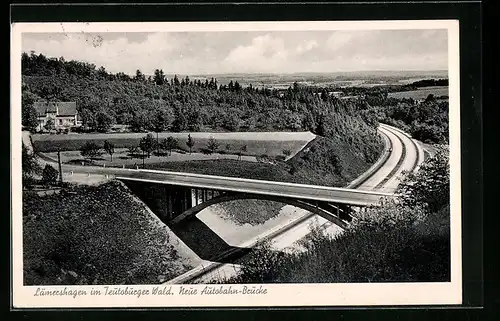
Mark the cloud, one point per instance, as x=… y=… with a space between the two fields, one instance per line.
x=232 y=52
x=340 y=39
x=306 y=47
x=115 y=55
x=259 y=55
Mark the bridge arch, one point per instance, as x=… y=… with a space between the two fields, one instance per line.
x=308 y=206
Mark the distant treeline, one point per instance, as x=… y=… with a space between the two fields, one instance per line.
x=428 y=83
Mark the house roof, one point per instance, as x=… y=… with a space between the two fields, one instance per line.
x=65 y=108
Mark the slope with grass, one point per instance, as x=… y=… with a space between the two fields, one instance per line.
x=97 y=235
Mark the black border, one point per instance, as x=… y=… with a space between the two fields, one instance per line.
x=469 y=15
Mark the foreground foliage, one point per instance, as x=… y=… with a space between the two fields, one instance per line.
x=94 y=235
x=404 y=241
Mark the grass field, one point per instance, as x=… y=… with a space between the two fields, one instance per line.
x=249 y=211
x=271 y=144
x=96 y=235
x=121 y=157
x=421 y=93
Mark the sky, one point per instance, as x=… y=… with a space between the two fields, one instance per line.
x=197 y=53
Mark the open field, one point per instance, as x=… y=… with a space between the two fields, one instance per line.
x=121 y=157
x=81 y=226
x=269 y=143
x=421 y=93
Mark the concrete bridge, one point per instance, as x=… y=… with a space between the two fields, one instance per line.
x=175 y=201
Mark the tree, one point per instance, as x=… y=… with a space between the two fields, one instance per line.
x=28 y=112
x=147 y=144
x=212 y=145
x=139 y=76
x=90 y=150
x=159 y=77
x=49 y=175
x=180 y=122
x=190 y=143
x=231 y=120
x=160 y=123
x=30 y=166
x=103 y=121
x=237 y=86
x=430 y=186
x=102 y=73
x=324 y=95
x=109 y=148
x=171 y=143
x=228 y=147
x=49 y=125
x=162 y=119
x=243 y=149
x=287 y=152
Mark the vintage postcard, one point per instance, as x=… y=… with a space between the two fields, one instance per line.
x=236 y=164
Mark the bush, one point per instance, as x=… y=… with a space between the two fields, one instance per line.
x=30 y=167
x=280 y=158
x=264 y=264
x=212 y=145
x=49 y=175
x=90 y=150
x=391 y=248
x=430 y=186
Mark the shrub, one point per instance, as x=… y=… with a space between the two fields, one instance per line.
x=430 y=186
x=90 y=150
x=49 y=175
x=212 y=145
x=280 y=158
x=133 y=151
x=30 y=167
x=264 y=265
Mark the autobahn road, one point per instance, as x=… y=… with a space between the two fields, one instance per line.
x=405 y=155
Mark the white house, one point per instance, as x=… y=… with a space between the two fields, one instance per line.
x=63 y=114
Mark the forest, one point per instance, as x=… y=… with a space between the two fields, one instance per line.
x=155 y=103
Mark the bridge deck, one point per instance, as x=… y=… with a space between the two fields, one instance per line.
x=298 y=191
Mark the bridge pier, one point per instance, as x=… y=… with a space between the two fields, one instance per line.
x=344 y=213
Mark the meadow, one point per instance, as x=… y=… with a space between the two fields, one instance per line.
x=269 y=143
x=421 y=93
